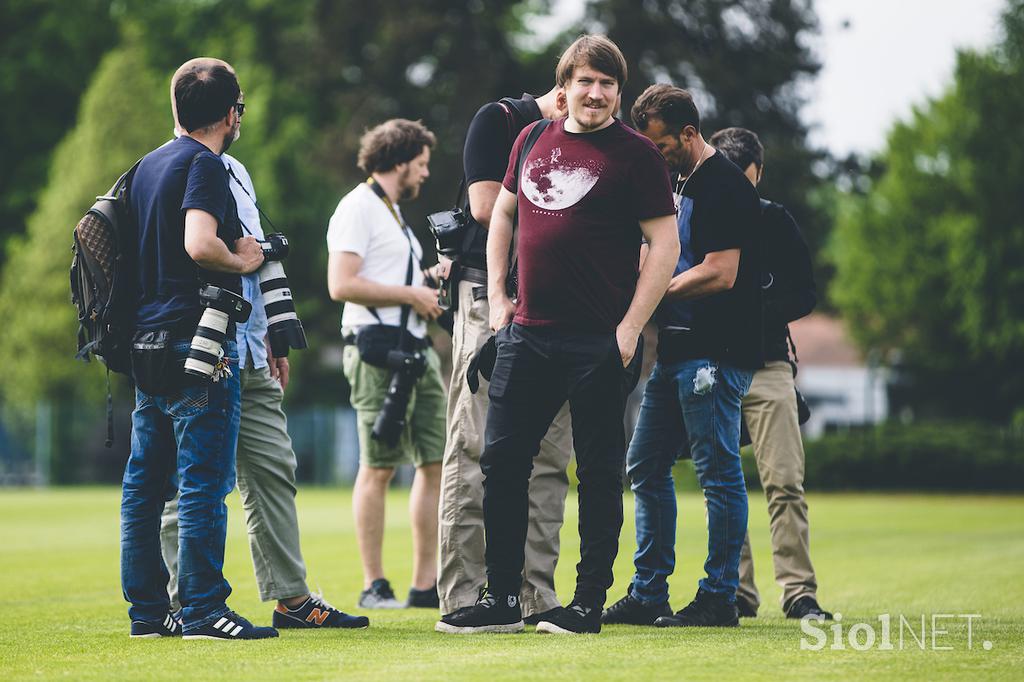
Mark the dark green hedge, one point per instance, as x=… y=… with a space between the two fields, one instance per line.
x=922 y=456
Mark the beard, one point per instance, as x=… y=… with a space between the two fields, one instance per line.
x=232 y=137
x=407 y=191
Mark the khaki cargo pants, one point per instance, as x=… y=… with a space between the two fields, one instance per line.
x=769 y=410
x=461 y=571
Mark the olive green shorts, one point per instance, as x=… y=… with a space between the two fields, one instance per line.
x=423 y=440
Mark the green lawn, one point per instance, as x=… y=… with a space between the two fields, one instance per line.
x=61 y=611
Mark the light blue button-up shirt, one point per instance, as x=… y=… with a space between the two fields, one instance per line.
x=252 y=334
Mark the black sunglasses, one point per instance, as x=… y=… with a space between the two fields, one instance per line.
x=239 y=108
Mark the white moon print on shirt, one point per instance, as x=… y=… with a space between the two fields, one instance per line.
x=553 y=184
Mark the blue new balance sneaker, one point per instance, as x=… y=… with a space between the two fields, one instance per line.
x=170 y=626
x=230 y=626
x=316 y=613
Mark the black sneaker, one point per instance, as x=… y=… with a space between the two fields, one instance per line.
x=491 y=613
x=535 y=618
x=745 y=608
x=807 y=607
x=316 y=613
x=575 y=619
x=379 y=596
x=706 y=610
x=423 y=599
x=631 y=611
x=230 y=626
x=170 y=626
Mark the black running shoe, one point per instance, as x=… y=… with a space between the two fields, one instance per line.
x=745 y=608
x=631 y=611
x=379 y=596
x=230 y=626
x=423 y=599
x=170 y=626
x=706 y=610
x=491 y=613
x=807 y=607
x=316 y=613
x=575 y=619
x=535 y=618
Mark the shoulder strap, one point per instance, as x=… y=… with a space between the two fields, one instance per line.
x=531 y=139
x=406 y=309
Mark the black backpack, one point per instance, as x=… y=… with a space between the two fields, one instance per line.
x=104 y=278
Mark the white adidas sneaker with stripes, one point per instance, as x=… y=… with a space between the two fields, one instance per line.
x=228 y=627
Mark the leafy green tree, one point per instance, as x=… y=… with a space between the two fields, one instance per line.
x=48 y=51
x=120 y=114
x=928 y=259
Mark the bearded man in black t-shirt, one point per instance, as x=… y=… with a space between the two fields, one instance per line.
x=709 y=345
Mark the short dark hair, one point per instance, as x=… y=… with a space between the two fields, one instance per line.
x=596 y=51
x=391 y=143
x=739 y=145
x=204 y=94
x=673 y=106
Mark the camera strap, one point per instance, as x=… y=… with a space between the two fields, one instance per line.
x=531 y=139
x=406 y=309
x=255 y=203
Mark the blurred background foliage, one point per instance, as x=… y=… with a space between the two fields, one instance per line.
x=919 y=248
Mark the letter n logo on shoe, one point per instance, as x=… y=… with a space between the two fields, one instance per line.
x=318 y=616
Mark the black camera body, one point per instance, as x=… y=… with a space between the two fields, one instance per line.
x=450 y=229
x=275 y=247
x=406 y=369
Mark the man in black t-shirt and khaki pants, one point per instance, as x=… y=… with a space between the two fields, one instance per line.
x=709 y=345
x=461 y=523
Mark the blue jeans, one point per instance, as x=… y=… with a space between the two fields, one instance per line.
x=189 y=436
x=694 y=404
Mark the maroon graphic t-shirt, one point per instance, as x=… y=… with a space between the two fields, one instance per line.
x=581 y=198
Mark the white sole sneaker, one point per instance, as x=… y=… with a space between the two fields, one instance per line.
x=509 y=628
x=546 y=628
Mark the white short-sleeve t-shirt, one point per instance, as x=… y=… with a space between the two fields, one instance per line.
x=362 y=224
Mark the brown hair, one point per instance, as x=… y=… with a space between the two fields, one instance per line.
x=739 y=145
x=391 y=143
x=596 y=51
x=673 y=106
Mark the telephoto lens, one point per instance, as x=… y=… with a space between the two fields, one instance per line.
x=220 y=307
x=284 y=329
x=390 y=422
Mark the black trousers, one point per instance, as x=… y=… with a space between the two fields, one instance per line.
x=536 y=371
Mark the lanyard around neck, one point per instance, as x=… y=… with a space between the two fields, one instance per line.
x=379 y=191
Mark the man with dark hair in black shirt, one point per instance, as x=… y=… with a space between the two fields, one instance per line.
x=485 y=158
x=709 y=345
x=770 y=408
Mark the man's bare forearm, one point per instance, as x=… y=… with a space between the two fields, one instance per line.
x=499 y=239
x=703 y=279
x=366 y=292
x=655 y=274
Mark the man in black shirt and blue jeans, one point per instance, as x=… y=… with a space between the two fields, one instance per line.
x=185 y=429
x=709 y=345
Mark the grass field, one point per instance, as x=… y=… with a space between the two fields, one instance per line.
x=62 y=614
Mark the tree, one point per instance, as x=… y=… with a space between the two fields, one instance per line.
x=928 y=259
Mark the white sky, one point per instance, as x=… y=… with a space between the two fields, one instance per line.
x=893 y=55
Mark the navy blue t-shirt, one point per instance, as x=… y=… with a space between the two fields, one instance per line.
x=180 y=175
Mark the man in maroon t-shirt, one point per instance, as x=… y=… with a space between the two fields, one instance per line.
x=586 y=193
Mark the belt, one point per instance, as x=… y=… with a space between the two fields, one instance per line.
x=474 y=275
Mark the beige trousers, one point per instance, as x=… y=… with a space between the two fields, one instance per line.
x=461 y=572
x=769 y=410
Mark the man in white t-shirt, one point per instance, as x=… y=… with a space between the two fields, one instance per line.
x=375 y=268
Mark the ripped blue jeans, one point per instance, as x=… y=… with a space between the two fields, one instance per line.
x=690 y=409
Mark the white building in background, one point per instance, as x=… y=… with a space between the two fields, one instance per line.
x=841 y=387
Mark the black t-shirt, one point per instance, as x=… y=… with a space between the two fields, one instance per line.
x=180 y=175
x=787 y=277
x=489 y=140
x=719 y=211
